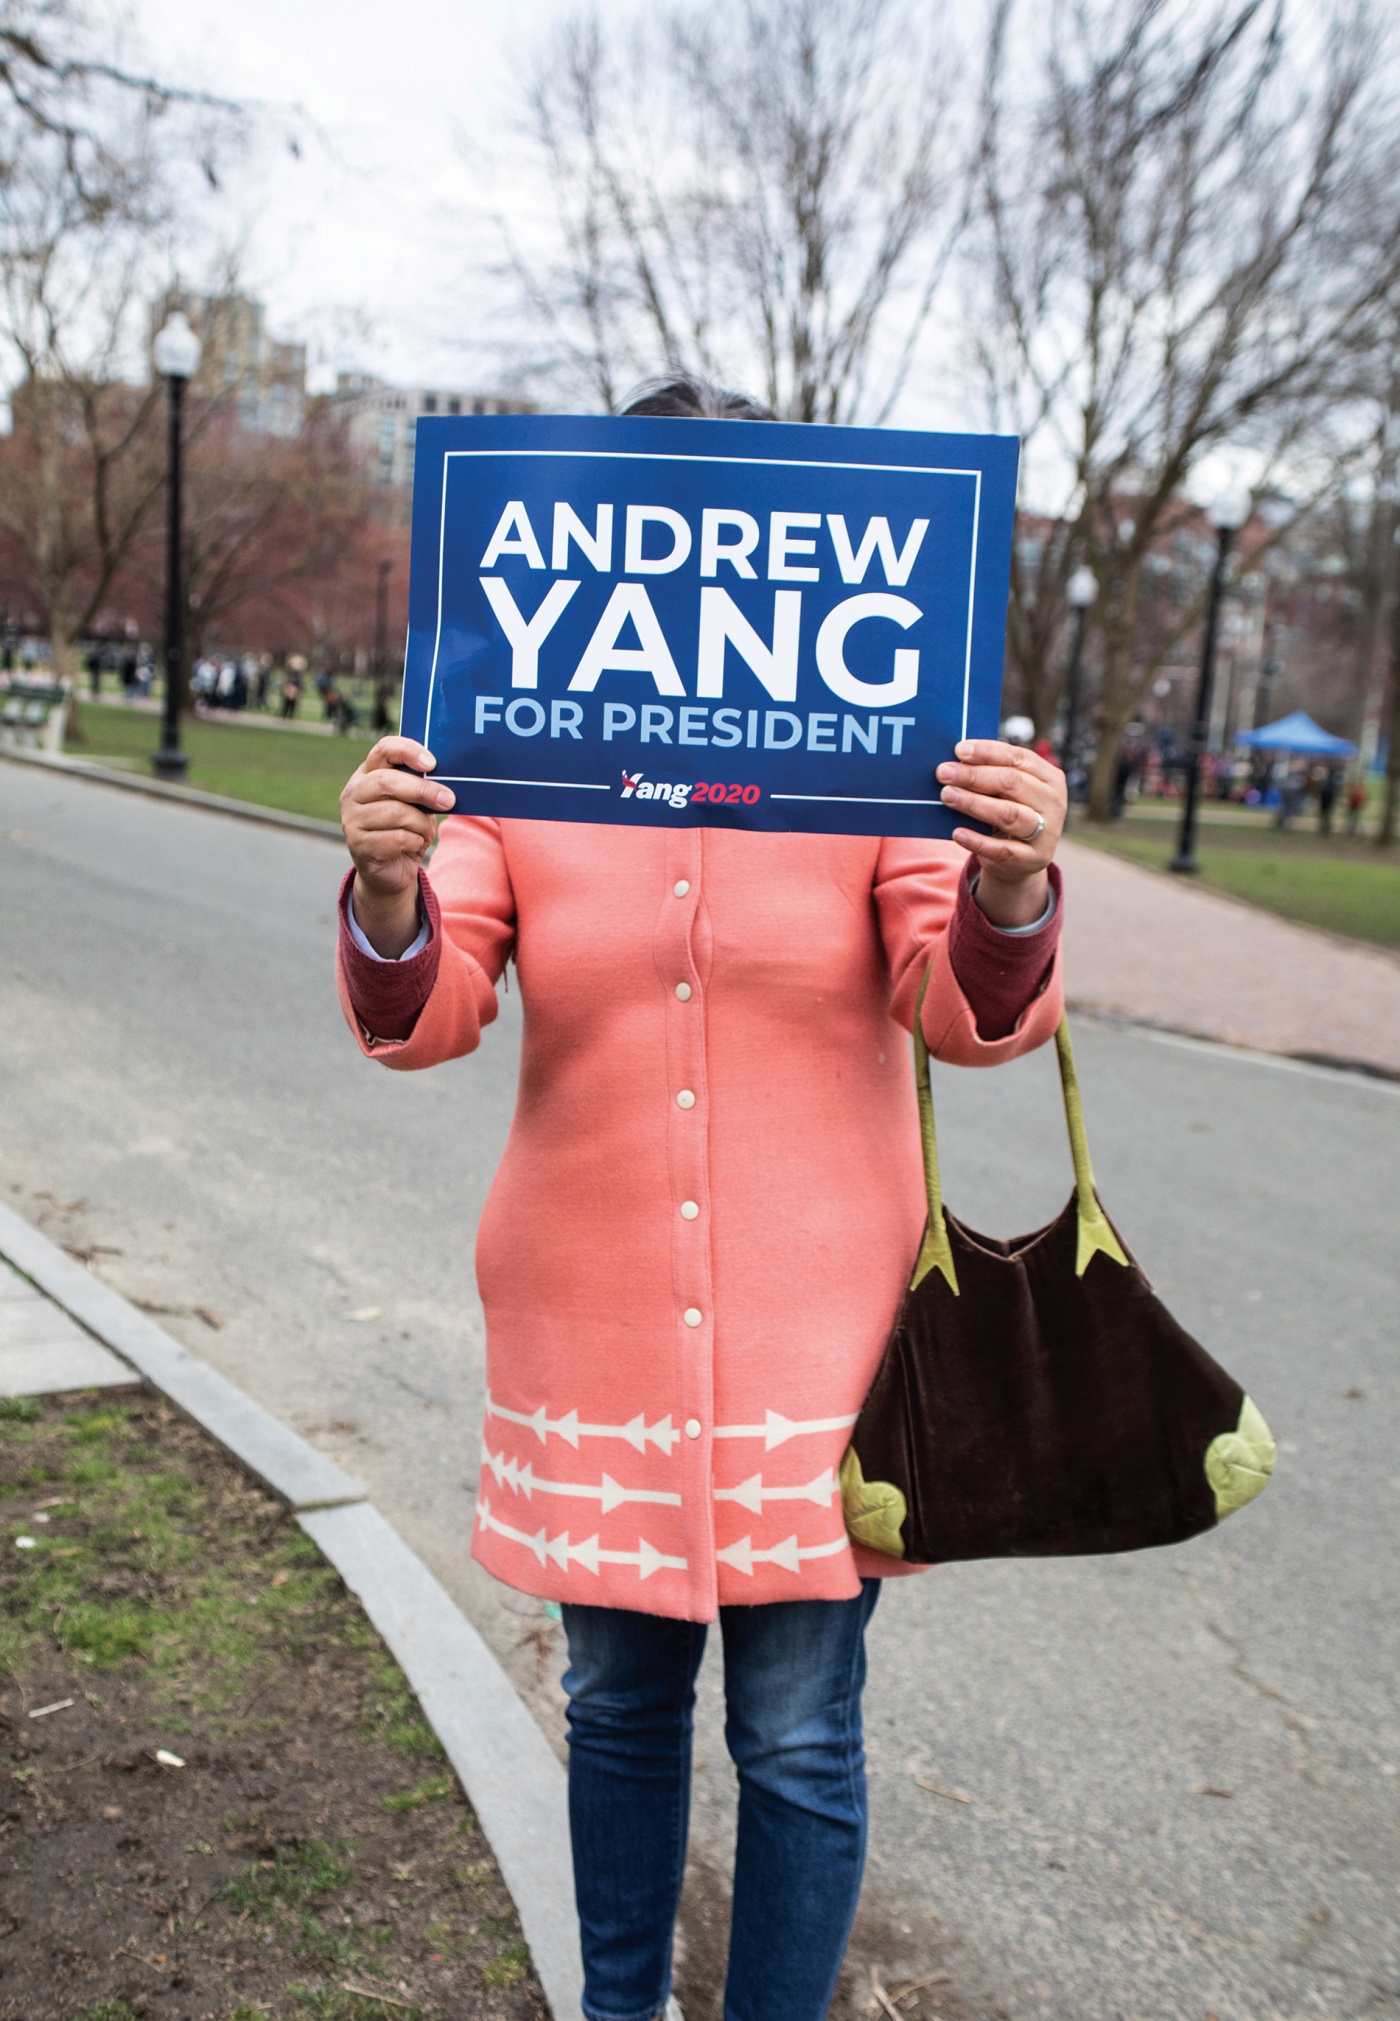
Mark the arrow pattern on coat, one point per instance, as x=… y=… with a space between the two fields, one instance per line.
x=589 y=1553
x=789 y=1555
x=776 y=1430
x=752 y=1494
x=636 y=1431
x=525 y=1481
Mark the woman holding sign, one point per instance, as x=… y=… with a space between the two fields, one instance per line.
x=690 y=1261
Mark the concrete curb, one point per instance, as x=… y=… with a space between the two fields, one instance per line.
x=512 y=1778
x=506 y=1766
x=187 y=796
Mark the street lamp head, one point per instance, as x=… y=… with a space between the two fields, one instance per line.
x=176 y=349
x=1082 y=588
x=1228 y=510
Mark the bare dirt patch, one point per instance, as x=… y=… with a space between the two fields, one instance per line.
x=240 y=1813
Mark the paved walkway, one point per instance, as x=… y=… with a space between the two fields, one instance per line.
x=41 y=1350
x=1167 y=952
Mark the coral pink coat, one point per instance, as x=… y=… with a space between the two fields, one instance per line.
x=711 y=1198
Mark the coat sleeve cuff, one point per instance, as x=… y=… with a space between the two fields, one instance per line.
x=387 y=996
x=1001 y=974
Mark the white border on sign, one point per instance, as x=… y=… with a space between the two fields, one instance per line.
x=654 y=456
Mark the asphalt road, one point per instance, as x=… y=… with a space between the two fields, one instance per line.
x=178 y=1096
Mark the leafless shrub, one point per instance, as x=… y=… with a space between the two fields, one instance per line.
x=765 y=191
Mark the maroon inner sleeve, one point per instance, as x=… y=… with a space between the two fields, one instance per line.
x=1000 y=974
x=387 y=996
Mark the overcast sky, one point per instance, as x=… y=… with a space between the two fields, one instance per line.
x=363 y=247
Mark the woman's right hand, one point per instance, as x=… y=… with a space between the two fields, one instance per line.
x=390 y=819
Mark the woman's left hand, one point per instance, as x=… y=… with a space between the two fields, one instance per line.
x=1022 y=799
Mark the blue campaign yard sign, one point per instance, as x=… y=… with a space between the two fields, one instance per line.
x=743 y=624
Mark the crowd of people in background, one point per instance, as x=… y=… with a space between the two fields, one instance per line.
x=134 y=664
x=221 y=683
x=1153 y=768
x=258 y=681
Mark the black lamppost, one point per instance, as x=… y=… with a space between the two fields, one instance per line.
x=176 y=352
x=381 y=648
x=1227 y=515
x=1080 y=592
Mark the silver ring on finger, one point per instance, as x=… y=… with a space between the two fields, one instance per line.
x=1037 y=831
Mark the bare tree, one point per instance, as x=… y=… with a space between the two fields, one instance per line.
x=1188 y=232
x=766 y=191
x=63 y=87
x=94 y=163
x=264 y=515
x=82 y=468
x=1366 y=521
x=1390 y=721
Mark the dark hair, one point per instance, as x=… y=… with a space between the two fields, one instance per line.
x=695 y=400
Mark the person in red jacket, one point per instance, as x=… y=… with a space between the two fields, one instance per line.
x=692 y=1256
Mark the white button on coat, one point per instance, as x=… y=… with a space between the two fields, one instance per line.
x=685 y=1099
x=693 y=1316
x=689 y=1210
x=692 y=1428
x=683 y=991
x=681 y=887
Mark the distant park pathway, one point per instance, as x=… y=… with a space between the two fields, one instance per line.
x=1167 y=952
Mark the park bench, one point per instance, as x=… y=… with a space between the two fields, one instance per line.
x=33 y=713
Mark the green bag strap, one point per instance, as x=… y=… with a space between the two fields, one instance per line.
x=1095 y=1234
x=1094 y=1230
x=936 y=1251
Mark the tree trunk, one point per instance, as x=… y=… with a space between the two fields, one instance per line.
x=1104 y=770
x=65 y=668
x=1390 y=725
x=1117 y=700
x=1385 y=837
x=1115 y=712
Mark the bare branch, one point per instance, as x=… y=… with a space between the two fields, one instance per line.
x=763 y=193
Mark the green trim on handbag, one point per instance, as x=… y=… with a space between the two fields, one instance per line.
x=874 y=1510
x=1238 y=1463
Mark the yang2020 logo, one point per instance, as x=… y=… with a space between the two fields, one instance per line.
x=685 y=792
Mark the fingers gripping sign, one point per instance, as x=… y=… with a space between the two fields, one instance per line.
x=1021 y=798
x=389 y=813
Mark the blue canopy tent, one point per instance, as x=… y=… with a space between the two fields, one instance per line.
x=1300 y=734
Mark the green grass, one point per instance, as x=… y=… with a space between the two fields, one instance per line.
x=432 y=1791
x=151 y=1560
x=391 y=1711
x=165 y=1599
x=272 y=768
x=297 y=1876
x=1345 y=885
x=333 y=2003
x=508 y=1968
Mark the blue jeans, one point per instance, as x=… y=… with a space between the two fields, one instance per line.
x=793 y=1674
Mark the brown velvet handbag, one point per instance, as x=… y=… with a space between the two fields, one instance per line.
x=1036 y=1398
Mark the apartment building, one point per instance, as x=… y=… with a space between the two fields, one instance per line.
x=264 y=378
x=382 y=421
